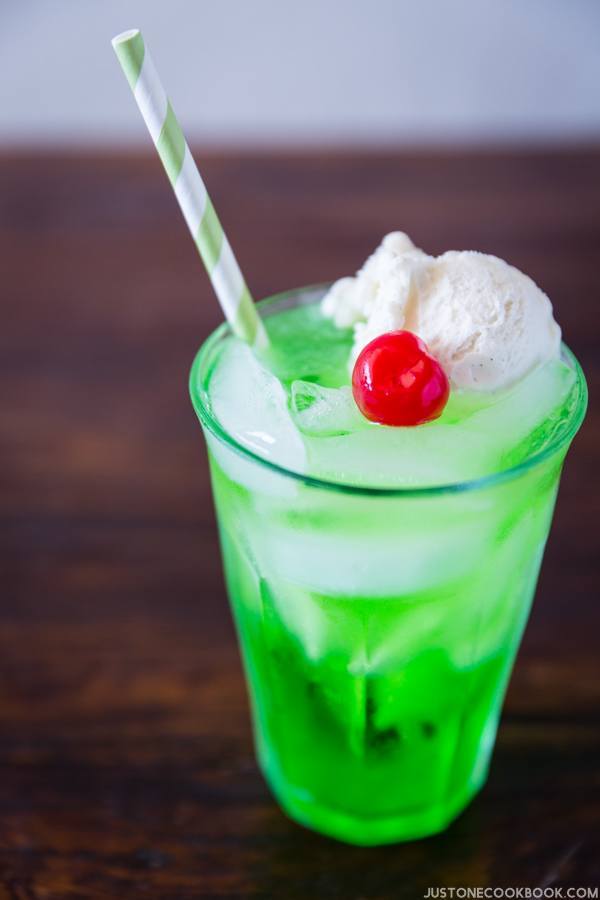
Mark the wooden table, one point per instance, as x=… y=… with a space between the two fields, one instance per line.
x=126 y=761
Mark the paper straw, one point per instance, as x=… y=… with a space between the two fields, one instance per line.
x=196 y=206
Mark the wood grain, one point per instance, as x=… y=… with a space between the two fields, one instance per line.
x=125 y=750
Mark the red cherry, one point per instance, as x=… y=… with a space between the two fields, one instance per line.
x=396 y=381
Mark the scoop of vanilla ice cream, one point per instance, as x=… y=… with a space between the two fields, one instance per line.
x=486 y=322
x=382 y=282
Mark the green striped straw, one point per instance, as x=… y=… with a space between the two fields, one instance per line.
x=196 y=206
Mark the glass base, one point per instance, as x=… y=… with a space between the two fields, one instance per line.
x=411 y=825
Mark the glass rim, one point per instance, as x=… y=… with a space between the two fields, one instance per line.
x=201 y=404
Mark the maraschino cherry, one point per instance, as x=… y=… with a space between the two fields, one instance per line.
x=396 y=381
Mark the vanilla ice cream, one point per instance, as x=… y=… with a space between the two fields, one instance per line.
x=486 y=322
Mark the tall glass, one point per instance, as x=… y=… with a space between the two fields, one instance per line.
x=378 y=628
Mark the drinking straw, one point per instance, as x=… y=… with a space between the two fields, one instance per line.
x=196 y=206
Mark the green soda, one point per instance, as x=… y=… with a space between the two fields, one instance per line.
x=380 y=578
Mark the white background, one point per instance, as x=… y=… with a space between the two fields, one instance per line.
x=363 y=71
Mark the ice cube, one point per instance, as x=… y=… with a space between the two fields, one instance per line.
x=530 y=408
x=252 y=406
x=356 y=551
x=378 y=456
x=322 y=411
